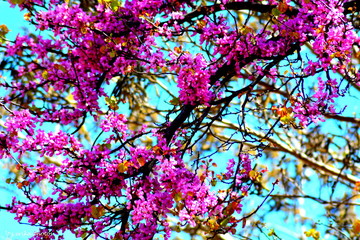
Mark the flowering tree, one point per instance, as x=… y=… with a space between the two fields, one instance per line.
x=156 y=117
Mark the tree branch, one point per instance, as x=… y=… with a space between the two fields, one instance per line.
x=311 y=162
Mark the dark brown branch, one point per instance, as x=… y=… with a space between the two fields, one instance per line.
x=5 y=208
x=320 y=200
x=205 y=10
x=343 y=118
x=262 y=203
x=349 y=7
x=178 y=121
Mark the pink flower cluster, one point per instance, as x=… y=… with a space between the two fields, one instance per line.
x=323 y=100
x=21 y=121
x=334 y=36
x=120 y=184
x=96 y=179
x=116 y=122
x=87 y=51
x=193 y=79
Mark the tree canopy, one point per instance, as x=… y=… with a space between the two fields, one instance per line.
x=148 y=119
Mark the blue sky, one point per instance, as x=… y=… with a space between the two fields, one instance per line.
x=10 y=229
x=13 y=18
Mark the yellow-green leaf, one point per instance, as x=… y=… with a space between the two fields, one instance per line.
x=271 y=232
x=45 y=75
x=175 y=101
x=97 y=211
x=225 y=222
x=276 y=12
x=177 y=197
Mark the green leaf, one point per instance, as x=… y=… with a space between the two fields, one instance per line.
x=17 y=1
x=178 y=197
x=225 y=222
x=114 y=5
x=175 y=101
x=213 y=182
x=112 y=102
x=276 y=12
x=3 y=31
